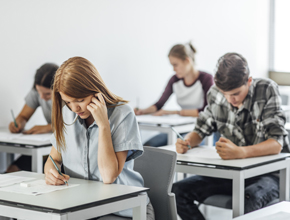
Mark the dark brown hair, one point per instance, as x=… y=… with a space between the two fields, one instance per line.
x=232 y=72
x=183 y=51
x=78 y=78
x=44 y=75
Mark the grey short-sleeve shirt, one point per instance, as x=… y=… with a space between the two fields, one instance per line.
x=33 y=100
x=80 y=157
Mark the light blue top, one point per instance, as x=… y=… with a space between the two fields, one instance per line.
x=80 y=157
x=33 y=100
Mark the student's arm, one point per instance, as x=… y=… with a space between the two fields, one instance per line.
x=157 y=107
x=272 y=128
x=39 y=129
x=21 y=119
x=145 y=111
x=192 y=139
x=52 y=177
x=207 y=82
x=188 y=112
x=228 y=150
x=110 y=163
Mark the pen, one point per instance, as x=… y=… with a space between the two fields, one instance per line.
x=189 y=147
x=14 y=119
x=137 y=106
x=57 y=168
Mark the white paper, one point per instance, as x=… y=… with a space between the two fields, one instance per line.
x=25 y=137
x=36 y=187
x=7 y=180
x=165 y=119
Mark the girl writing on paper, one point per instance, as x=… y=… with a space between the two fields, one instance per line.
x=189 y=84
x=39 y=95
x=96 y=136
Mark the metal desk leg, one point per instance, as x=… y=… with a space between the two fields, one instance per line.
x=37 y=161
x=139 y=212
x=284 y=182
x=238 y=193
x=171 y=137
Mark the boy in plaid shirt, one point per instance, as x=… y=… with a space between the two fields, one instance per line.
x=247 y=113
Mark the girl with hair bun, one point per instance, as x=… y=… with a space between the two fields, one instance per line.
x=189 y=85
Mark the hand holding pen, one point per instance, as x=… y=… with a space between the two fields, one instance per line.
x=182 y=145
x=55 y=177
x=17 y=125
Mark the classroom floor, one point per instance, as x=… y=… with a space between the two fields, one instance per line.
x=214 y=213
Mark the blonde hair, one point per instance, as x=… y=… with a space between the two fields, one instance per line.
x=183 y=51
x=78 y=78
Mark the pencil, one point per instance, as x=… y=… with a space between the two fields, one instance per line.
x=57 y=169
x=14 y=119
x=189 y=147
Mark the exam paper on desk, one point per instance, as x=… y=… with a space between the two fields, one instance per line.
x=36 y=187
x=7 y=180
x=25 y=137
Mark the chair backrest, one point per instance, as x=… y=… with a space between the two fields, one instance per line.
x=157 y=166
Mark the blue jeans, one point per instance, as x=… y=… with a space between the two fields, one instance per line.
x=259 y=191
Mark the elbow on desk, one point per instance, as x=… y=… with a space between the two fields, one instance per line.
x=109 y=180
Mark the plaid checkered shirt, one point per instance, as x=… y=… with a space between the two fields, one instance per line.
x=258 y=119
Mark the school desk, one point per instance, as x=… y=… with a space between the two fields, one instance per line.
x=205 y=161
x=164 y=123
x=88 y=200
x=36 y=148
x=278 y=211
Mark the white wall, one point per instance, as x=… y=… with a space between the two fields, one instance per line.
x=128 y=41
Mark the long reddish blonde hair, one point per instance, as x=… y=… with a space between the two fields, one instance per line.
x=78 y=78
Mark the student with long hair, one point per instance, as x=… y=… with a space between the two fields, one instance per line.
x=39 y=96
x=188 y=84
x=96 y=135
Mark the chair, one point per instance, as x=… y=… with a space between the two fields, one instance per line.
x=157 y=166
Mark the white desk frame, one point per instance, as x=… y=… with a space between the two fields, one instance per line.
x=164 y=126
x=171 y=136
x=36 y=154
x=264 y=212
x=138 y=202
x=239 y=176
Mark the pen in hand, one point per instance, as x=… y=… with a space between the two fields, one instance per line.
x=189 y=147
x=14 y=119
x=57 y=169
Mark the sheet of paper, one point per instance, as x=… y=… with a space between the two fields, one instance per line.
x=276 y=216
x=36 y=187
x=26 y=137
x=165 y=119
x=7 y=180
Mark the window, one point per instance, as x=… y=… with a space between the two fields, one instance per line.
x=280 y=35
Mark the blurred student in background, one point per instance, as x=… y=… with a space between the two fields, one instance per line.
x=39 y=95
x=189 y=85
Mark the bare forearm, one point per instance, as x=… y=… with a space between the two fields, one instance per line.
x=149 y=110
x=107 y=160
x=268 y=147
x=189 y=112
x=194 y=139
x=49 y=165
